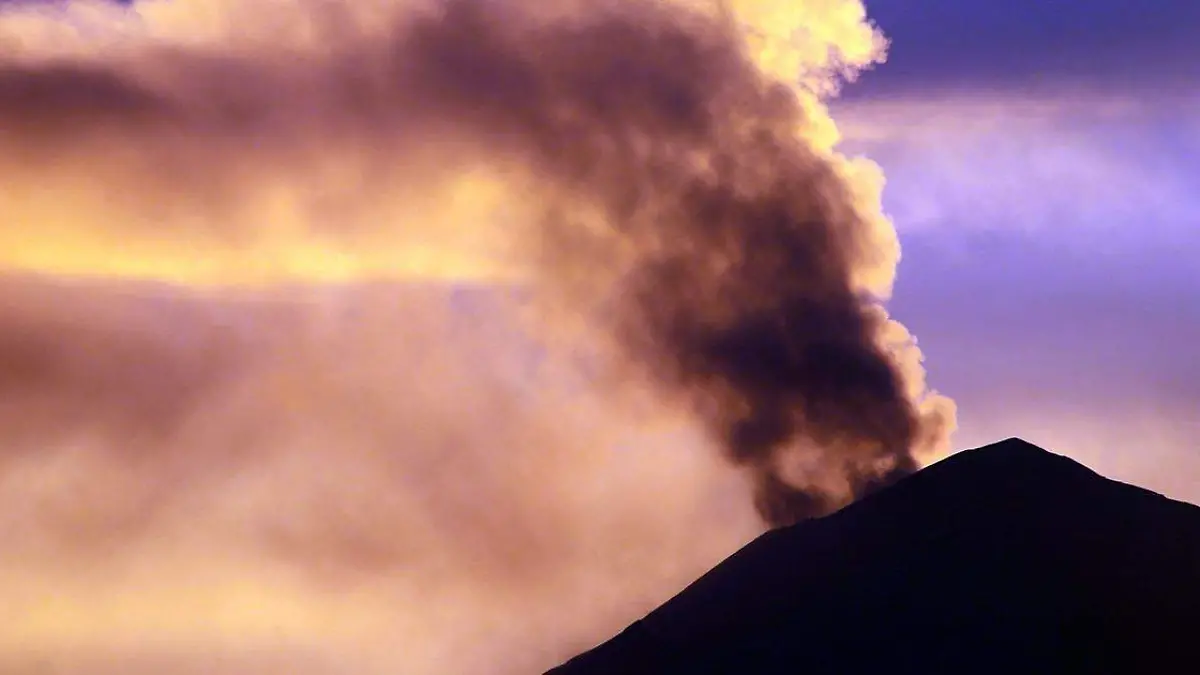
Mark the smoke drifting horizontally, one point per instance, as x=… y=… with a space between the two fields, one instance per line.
x=641 y=166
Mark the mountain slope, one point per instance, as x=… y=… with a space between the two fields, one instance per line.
x=1001 y=559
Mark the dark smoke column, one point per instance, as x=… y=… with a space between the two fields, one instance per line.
x=780 y=354
x=680 y=201
x=727 y=264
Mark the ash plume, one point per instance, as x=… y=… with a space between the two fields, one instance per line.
x=656 y=182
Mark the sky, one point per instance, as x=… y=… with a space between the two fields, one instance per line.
x=1038 y=157
x=1026 y=44
x=316 y=474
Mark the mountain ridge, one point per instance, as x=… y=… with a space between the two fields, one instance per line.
x=1009 y=556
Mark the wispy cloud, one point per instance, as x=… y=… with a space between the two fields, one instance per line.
x=1049 y=246
x=1112 y=167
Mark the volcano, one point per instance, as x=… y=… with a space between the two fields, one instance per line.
x=1002 y=559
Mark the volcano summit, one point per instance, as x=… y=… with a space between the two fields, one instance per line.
x=1002 y=559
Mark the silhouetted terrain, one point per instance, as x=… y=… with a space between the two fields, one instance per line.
x=1004 y=559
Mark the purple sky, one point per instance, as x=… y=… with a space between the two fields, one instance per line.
x=1147 y=44
x=1040 y=158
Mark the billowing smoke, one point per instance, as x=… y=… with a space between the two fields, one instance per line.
x=643 y=171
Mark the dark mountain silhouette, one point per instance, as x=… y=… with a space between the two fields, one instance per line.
x=1003 y=559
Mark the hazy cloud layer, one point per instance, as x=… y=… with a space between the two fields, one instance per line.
x=338 y=472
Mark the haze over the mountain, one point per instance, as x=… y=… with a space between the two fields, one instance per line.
x=1004 y=559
